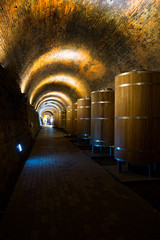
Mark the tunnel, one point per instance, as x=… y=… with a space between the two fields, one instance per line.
x=56 y=58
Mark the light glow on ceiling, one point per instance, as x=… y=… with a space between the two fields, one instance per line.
x=49 y=107
x=53 y=94
x=80 y=87
x=51 y=100
x=79 y=57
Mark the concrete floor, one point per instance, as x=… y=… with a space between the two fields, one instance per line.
x=62 y=194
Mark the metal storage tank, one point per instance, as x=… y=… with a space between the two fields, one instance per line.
x=102 y=118
x=84 y=117
x=137 y=117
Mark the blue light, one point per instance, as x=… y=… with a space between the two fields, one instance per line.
x=19 y=147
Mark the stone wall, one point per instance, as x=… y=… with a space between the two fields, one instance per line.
x=16 y=117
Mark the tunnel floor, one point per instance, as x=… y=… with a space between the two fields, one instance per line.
x=62 y=194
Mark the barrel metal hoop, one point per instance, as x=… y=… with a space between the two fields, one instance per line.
x=85 y=98
x=83 y=118
x=137 y=151
x=137 y=84
x=101 y=102
x=84 y=107
x=102 y=118
x=136 y=72
x=138 y=117
x=103 y=90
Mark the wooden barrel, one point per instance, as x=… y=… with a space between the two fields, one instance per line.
x=63 y=116
x=61 y=119
x=56 y=121
x=137 y=117
x=74 y=118
x=102 y=118
x=69 y=119
x=83 y=117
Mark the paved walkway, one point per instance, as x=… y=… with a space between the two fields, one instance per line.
x=61 y=194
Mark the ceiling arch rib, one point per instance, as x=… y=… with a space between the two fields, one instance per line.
x=45 y=111
x=48 y=111
x=80 y=58
x=53 y=110
x=49 y=107
x=53 y=94
x=78 y=85
x=51 y=101
x=56 y=87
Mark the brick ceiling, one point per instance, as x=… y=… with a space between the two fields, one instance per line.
x=74 y=47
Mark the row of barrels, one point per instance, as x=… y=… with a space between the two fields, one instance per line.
x=128 y=118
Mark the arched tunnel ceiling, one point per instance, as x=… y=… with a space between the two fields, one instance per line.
x=77 y=46
x=50 y=95
x=50 y=107
x=50 y=102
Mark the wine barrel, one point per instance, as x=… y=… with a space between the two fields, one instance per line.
x=102 y=118
x=56 y=119
x=74 y=117
x=83 y=117
x=69 y=119
x=63 y=116
x=137 y=117
x=61 y=119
